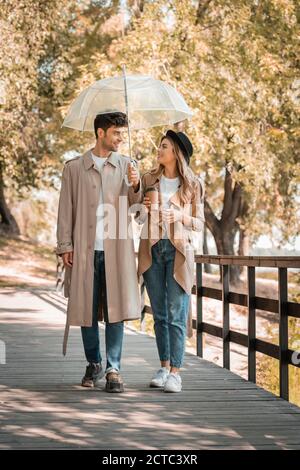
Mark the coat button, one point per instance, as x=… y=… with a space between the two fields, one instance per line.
x=91 y=226
x=94 y=186
x=92 y=206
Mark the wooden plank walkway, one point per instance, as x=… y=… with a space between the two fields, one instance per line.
x=43 y=407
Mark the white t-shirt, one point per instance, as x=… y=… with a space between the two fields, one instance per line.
x=99 y=162
x=168 y=187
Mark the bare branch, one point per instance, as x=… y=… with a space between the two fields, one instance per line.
x=227 y=206
x=202 y=7
x=211 y=220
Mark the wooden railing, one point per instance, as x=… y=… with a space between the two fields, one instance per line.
x=282 y=306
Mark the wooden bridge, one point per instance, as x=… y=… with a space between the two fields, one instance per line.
x=42 y=405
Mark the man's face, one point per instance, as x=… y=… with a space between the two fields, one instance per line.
x=112 y=138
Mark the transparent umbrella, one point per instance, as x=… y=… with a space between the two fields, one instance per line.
x=147 y=102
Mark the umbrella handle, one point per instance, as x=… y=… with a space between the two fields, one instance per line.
x=127 y=107
x=126 y=177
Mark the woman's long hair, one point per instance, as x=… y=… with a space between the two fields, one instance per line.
x=187 y=177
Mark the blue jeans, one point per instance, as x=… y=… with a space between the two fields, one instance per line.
x=113 y=331
x=169 y=302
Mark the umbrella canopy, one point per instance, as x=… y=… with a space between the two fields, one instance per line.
x=151 y=103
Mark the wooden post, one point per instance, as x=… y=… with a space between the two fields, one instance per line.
x=226 y=323
x=143 y=322
x=283 y=334
x=199 y=310
x=251 y=325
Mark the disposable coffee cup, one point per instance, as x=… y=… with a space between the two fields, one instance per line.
x=152 y=194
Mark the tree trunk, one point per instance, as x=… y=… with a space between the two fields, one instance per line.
x=8 y=224
x=225 y=228
x=225 y=246
x=207 y=267
x=243 y=247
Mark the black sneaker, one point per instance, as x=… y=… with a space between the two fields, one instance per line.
x=114 y=383
x=93 y=374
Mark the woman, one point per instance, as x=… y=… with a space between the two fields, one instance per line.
x=166 y=255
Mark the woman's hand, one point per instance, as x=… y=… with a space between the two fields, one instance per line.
x=172 y=215
x=147 y=202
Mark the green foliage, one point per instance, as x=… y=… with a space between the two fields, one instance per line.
x=43 y=45
x=238 y=69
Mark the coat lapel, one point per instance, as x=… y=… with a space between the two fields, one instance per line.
x=107 y=173
x=88 y=161
x=110 y=177
x=175 y=199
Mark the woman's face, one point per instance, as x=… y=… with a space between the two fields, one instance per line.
x=165 y=153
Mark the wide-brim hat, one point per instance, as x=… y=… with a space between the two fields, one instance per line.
x=183 y=142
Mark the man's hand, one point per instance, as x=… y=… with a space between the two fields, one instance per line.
x=133 y=176
x=68 y=259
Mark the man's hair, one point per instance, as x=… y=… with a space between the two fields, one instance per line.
x=105 y=121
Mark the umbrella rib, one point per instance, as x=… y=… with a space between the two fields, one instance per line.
x=158 y=109
x=82 y=103
x=92 y=87
x=119 y=89
x=86 y=115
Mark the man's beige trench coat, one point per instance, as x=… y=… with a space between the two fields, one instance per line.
x=76 y=231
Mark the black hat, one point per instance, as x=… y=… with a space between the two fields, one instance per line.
x=183 y=142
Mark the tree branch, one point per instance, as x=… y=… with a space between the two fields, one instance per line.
x=201 y=10
x=227 y=206
x=236 y=202
x=211 y=220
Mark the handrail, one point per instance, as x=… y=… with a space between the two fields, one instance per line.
x=255 y=261
x=281 y=306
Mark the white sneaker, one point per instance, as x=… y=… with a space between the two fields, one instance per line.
x=160 y=377
x=173 y=383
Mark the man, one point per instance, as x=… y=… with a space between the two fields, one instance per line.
x=101 y=279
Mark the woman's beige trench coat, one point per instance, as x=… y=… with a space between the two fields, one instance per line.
x=76 y=231
x=184 y=262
